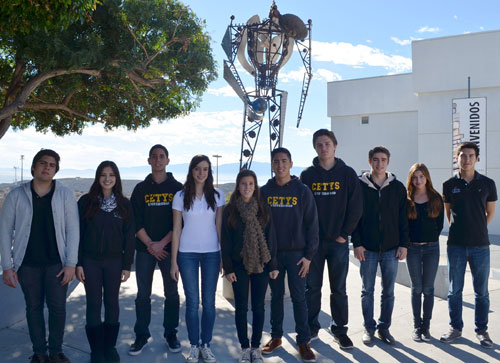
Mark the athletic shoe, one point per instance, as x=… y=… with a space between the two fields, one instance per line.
x=426 y=335
x=386 y=337
x=256 y=355
x=137 y=347
x=306 y=353
x=58 y=358
x=245 y=356
x=484 y=339
x=206 y=354
x=367 y=337
x=416 y=335
x=451 y=335
x=39 y=358
x=343 y=341
x=271 y=345
x=194 y=354
x=173 y=343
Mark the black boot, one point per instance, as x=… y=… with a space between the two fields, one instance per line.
x=110 y=336
x=95 y=338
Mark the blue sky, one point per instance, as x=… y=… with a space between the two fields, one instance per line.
x=351 y=39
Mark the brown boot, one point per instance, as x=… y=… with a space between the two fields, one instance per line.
x=306 y=353
x=271 y=345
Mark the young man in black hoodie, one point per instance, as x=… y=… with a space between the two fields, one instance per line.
x=295 y=219
x=381 y=237
x=152 y=205
x=338 y=197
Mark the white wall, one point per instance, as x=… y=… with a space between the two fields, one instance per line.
x=411 y=115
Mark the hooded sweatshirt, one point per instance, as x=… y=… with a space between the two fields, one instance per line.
x=338 y=197
x=295 y=216
x=152 y=205
x=384 y=223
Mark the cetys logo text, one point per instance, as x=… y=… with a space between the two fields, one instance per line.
x=282 y=201
x=158 y=199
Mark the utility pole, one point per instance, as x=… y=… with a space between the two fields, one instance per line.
x=217 y=169
x=15 y=174
x=22 y=161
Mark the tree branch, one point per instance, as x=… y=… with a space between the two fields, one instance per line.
x=137 y=40
x=59 y=107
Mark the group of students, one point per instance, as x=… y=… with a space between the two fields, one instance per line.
x=289 y=227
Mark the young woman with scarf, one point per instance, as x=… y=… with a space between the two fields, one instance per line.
x=105 y=256
x=248 y=248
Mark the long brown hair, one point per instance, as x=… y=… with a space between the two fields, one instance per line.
x=208 y=188
x=435 y=201
x=262 y=214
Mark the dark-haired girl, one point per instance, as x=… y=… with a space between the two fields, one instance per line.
x=248 y=248
x=196 y=245
x=105 y=256
x=425 y=220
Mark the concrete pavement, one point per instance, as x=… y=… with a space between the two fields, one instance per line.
x=15 y=345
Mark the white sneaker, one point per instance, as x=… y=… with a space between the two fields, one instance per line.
x=194 y=354
x=207 y=355
x=245 y=356
x=256 y=354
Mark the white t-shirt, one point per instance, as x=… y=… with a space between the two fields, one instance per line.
x=199 y=233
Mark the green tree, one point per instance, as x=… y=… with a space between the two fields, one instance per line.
x=25 y=16
x=135 y=60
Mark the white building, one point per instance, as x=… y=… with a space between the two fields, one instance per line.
x=411 y=114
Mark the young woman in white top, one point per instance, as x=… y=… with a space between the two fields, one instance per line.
x=199 y=205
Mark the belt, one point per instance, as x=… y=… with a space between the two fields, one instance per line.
x=420 y=243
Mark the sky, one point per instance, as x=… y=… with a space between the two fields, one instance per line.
x=350 y=39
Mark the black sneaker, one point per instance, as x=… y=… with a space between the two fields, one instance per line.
x=137 y=347
x=386 y=336
x=367 y=337
x=58 y=358
x=485 y=340
x=416 y=335
x=39 y=358
x=173 y=343
x=343 y=340
x=426 y=335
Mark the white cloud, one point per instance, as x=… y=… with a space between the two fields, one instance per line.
x=427 y=29
x=455 y=17
x=319 y=75
x=481 y=28
x=369 y=41
x=226 y=91
x=404 y=41
x=358 y=55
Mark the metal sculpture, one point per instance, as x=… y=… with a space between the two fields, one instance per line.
x=269 y=45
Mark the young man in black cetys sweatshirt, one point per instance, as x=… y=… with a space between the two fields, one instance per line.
x=381 y=237
x=152 y=205
x=295 y=220
x=339 y=201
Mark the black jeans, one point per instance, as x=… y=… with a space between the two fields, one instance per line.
x=287 y=262
x=422 y=262
x=258 y=285
x=102 y=276
x=39 y=285
x=145 y=265
x=337 y=256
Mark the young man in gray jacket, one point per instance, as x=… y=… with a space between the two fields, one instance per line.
x=39 y=236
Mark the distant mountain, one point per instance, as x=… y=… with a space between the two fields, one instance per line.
x=227 y=172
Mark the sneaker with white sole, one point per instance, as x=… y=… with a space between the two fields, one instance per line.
x=451 y=335
x=245 y=356
x=207 y=355
x=256 y=354
x=137 y=347
x=485 y=340
x=194 y=354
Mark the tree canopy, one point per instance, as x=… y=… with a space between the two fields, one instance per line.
x=133 y=61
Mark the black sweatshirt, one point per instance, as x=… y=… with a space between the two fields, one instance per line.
x=425 y=228
x=232 y=243
x=338 y=198
x=384 y=223
x=106 y=235
x=152 y=205
x=295 y=216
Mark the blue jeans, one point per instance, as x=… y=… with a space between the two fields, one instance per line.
x=145 y=265
x=337 y=256
x=368 y=270
x=287 y=262
x=39 y=285
x=189 y=265
x=258 y=285
x=422 y=262
x=479 y=262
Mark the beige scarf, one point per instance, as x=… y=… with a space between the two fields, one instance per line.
x=255 y=252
